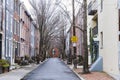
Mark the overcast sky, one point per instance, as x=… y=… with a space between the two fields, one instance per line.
x=68 y=4
x=26 y=2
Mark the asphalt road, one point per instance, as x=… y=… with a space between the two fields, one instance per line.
x=52 y=69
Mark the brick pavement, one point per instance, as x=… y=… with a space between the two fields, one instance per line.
x=93 y=75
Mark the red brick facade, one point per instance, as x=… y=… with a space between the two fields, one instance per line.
x=56 y=54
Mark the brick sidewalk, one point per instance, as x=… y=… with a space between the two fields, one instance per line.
x=93 y=75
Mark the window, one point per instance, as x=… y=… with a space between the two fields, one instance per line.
x=17 y=24
x=11 y=47
x=7 y=1
x=20 y=29
x=7 y=20
x=1 y=1
x=119 y=4
x=7 y=47
x=11 y=4
x=119 y=19
x=11 y=23
x=16 y=6
x=14 y=26
x=101 y=37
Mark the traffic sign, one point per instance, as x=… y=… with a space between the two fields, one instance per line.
x=74 y=44
x=74 y=38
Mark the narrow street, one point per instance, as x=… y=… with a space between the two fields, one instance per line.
x=52 y=69
x=59 y=40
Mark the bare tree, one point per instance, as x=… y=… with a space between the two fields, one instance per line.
x=84 y=30
x=50 y=23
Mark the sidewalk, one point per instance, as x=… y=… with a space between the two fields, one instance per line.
x=92 y=75
x=17 y=74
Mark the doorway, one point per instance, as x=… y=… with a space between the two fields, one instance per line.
x=0 y=46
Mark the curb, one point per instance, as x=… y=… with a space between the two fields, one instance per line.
x=76 y=73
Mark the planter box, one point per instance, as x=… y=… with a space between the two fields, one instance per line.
x=1 y=70
x=4 y=69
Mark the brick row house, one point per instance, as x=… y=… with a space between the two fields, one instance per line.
x=34 y=40
x=25 y=21
x=17 y=32
x=29 y=34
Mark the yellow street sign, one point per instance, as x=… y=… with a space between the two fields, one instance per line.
x=74 y=39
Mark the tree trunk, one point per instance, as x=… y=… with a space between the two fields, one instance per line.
x=85 y=63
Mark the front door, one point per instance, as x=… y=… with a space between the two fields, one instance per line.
x=0 y=46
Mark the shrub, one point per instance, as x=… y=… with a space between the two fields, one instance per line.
x=4 y=63
x=24 y=62
x=27 y=57
x=31 y=61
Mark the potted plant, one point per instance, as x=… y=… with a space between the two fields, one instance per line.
x=4 y=66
